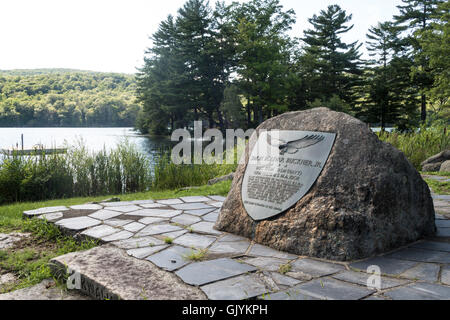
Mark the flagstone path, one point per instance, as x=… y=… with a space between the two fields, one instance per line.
x=146 y=247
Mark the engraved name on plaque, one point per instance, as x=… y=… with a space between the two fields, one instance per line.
x=282 y=167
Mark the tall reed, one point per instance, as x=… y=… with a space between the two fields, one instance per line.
x=420 y=145
x=77 y=173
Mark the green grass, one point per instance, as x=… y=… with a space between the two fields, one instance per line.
x=11 y=215
x=284 y=268
x=29 y=260
x=196 y=255
x=439 y=187
x=442 y=174
x=168 y=240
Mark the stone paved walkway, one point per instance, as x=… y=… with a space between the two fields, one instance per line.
x=236 y=268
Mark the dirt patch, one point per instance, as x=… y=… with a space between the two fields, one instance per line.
x=34 y=243
x=75 y=214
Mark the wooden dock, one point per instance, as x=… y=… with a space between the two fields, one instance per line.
x=33 y=152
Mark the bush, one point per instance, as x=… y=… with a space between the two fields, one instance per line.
x=420 y=145
x=168 y=175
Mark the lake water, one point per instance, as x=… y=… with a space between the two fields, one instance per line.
x=94 y=138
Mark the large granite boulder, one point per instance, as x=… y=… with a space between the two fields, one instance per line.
x=368 y=199
x=445 y=166
x=433 y=164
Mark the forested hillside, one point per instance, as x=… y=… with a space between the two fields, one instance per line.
x=66 y=97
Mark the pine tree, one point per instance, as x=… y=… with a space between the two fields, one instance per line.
x=161 y=83
x=201 y=41
x=382 y=104
x=331 y=67
x=436 y=45
x=416 y=16
x=263 y=52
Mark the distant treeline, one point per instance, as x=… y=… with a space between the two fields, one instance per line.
x=66 y=98
x=236 y=65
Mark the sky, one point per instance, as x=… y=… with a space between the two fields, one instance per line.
x=112 y=35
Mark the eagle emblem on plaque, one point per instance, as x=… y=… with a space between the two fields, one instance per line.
x=283 y=166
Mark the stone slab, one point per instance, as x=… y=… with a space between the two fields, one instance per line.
x=230 y=247
x=192 y=206
x=441 y=196
x=134 y=226
x=186 y=219
x=211 y=217
x=424 y=271
x=432 y=245
x=100 y=231
x=31 y=213
x=283 y=280
x=157 y=229
x=7 y=240
x=195 y=199
x=443 y=232
x=51 y=216
x=196 y=241
x=151 y=220
x=88 y=206
x=315 y=268
x=121 y=235
x=174 y=234
x=216 y=204
x=135 y=243
x=260 y=250
x=171 y=258
x=237 y=288
x=266 y=263
x=200 y=273
x=158 y=213
x=445 y=275
x=420 y=291
x=109 y=272
x=105 y=214
x=229 y=237
x=289 y=294
x=78 y=223
x=142 y=253
x=199 y=212
x=45 y=290
x=387 y=266
x=169 y=201
x=140 y=202
x=153 y=205
x=125 y=209
x=361 y=279
x=117 y=222
x=331 y=289
x=205 y=227
x=443 y=223
x=421 y=255
x=217 y=198
x=116 y=203
x=7 y=278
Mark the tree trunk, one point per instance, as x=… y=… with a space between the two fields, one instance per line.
x=423 y=108
x=221 y=120
x=249 y=113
